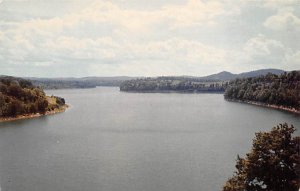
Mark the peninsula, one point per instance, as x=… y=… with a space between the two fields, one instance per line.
x=20 y=99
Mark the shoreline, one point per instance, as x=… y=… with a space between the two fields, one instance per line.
x=272 y=106
x=173 y=91
x=34 y=115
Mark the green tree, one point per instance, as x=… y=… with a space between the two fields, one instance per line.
x=283 y=90
x=272 y=165
x=2 y=104
x=42 y=105
x=20 y=97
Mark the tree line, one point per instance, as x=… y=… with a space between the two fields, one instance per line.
x=181 y=84
x=281 y=90
x=19 y=96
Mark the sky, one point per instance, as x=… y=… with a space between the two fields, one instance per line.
x=76 y=38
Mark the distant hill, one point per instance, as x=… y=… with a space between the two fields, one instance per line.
x=260 y=73
x=94 y=81
x=225 y=76
x=222 y=76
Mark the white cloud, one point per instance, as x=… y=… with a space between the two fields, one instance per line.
x=106 y=38
x=284 y=20
x=294 y=61
x=194 y=12
x=264 y=52
x=1 y=35
x=280 y=4
x=45 y=41
x=70 y=47
x=262 y=46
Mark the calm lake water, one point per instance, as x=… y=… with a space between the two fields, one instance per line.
x=115 y=141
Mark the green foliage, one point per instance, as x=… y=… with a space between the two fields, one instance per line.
x=59 y=100
x=283 y=90
x=19 y=96
x=172 y=84
x=272 y=165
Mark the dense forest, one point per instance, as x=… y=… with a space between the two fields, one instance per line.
x=19 y=97
x=282 y=90
x=181 y=84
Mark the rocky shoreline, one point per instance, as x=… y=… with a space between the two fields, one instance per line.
x=277 y=107
x=35 y=115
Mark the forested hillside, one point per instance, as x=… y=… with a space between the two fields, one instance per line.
x=282 y=90
x=182 y=84
x=19 y=97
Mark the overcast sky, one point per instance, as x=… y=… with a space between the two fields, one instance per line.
x=60 y=38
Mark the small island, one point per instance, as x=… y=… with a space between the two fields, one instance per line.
x=20 y=99
x=274 y=91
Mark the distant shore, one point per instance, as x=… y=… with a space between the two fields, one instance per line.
x=173 y=91
x=277 y=107
x=34 y=115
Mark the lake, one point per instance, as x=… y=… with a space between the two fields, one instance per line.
x=115 y=141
